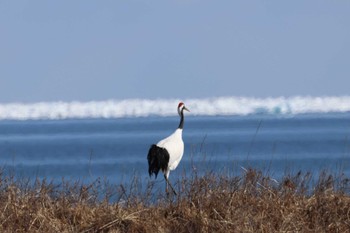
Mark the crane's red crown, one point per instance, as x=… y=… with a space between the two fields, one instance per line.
x=180 y=104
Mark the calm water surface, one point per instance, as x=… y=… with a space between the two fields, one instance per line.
x=116 y=149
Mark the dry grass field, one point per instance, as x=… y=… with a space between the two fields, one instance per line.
x=252 y=202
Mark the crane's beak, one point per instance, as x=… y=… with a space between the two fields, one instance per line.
x=186 y=109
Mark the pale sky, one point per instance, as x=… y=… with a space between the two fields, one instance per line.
x=97 y=50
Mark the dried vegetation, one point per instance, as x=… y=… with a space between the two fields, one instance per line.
x=252 y=202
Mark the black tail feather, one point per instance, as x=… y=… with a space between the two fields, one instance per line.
x=158 y=159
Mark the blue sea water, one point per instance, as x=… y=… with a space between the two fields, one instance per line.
x=116 y=149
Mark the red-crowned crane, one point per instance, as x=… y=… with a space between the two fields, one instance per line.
x=167 y=153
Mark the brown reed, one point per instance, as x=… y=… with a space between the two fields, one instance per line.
x=252 y=202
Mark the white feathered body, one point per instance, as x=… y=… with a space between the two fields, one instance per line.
x=175 y=147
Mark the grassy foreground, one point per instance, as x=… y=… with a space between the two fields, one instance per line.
x=252 y=202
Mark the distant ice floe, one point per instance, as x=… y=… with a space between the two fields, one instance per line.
x=167 y=107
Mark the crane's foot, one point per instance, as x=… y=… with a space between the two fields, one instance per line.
x=173 y=191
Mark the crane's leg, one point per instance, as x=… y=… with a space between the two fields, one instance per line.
x=168 y=184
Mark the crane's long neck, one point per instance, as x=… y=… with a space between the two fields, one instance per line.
x=181 y=125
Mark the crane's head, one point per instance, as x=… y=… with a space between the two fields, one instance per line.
x=181 y=107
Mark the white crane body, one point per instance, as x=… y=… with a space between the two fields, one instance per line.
x=175 y=147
